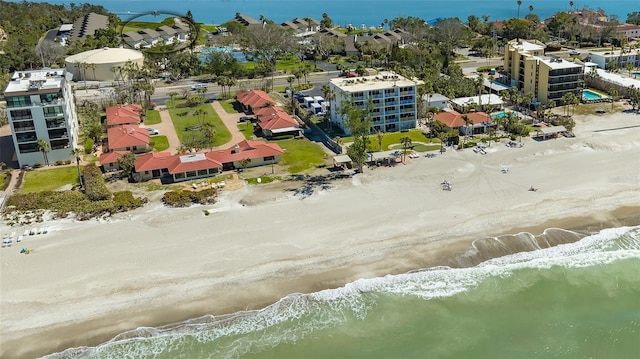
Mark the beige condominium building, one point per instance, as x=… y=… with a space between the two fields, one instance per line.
x=548 y=78
x=393 y=98
x=40 y=106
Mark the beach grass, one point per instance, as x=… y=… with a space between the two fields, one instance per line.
x=263 y=179
x=301 y=155
x=153 y=117
x=160 y=143
x=183 y=118
x=49 y=179
x=229 y=106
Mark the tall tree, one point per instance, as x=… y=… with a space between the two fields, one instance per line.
x=519 y=3
x=75 y=153
x=406 y=143
x=357 y=120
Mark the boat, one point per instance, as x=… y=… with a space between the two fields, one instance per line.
x=19 y=239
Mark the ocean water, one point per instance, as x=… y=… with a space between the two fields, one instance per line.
x=575 y=300
x=356 y=12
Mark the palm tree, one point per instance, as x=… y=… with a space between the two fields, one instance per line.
x=209 y=132
x=467 y=122
x=570 y=5
x=519 y=3
x=76 y=154
x=44 y=147
x=613 y=93
x=406 y=143
x=200 y=114
x=530 y=9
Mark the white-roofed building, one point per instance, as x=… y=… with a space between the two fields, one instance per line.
x=479 y=103
x=604 y=58
x=393 y=96
x=101 y=64
x=40 y=106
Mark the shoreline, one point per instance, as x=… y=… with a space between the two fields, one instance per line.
x=87 y=282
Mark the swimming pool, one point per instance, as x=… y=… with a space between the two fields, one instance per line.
x=636 y=75
x=499 y=115
x=238 y=55
x=590 y=95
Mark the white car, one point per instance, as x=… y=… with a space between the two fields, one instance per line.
x=199 y=87
x=153 y=131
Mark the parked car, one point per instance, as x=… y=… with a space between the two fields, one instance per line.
x=199 y=87
x=574 y=53
x=153 y=131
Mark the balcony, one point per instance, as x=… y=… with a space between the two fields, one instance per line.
x=55 y=124
x=407 y=102
x=53 y=115
x=26 y=138
x=24 y=128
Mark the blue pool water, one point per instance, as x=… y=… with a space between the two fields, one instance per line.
x=590 y=95
x=499 y=115
x=636 y=75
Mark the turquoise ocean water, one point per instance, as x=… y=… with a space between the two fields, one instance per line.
x=576 y=300
x=356 y=12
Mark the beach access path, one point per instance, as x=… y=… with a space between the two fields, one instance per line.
x=230 y=121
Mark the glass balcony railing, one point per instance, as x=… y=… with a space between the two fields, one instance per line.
x=24 y=128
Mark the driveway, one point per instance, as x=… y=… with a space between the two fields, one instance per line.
x=230 y=120
x=166 y=129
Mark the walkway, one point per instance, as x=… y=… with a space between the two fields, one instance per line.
x=230 y=121
x=166 y=129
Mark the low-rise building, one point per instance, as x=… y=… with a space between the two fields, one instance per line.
x=274 y=121
x=393 y=98
x=128 y=138
x=253 y=100
x=119 y=115
x=620 y=58
x=480 y=122
x=109 y=160
x=477 y=103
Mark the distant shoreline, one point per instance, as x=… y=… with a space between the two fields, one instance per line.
x=87 y=282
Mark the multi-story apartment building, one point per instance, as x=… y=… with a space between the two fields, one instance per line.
x=40 y=106
x=392 y=96
x=548 y=78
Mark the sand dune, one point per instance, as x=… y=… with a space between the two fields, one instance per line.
x=86 y=282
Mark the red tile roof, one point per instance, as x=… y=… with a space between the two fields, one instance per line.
x=127 y=136
x=175 y=163
x=153 y=161
x=273 y=118
x=254 y=98
x=123 y=115
x=246 y=149
x=453 y=119
x=193 y=162
x=111 y=157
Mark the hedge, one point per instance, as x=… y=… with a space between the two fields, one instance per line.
x=94 y=186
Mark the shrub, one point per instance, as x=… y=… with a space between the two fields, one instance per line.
x=88 y=146
x=124 y=200
x=59 y=162
x=185 y=198
x=37 y=165
x=94 y=185
x=67 y=162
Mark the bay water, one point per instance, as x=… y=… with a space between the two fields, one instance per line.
x=573 y=300
x=356 y=12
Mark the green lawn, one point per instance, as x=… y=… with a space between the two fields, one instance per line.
x=229 y=106
x=247 y=129
x=301 y=155
x=49 y=179
x=393 y=138
x=153 y=118
x=90 y=158
x=183 y=117
x=160 y=143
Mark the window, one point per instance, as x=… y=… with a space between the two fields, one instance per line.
x=269 y=158
x=17 y=115
x=191 y=174
x=19 y=101
x=52 y=111
x=179 y=175
x=28 y=147
x=50 y=97
x=202 y=172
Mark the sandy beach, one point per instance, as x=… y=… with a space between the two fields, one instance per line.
x=88 y=281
